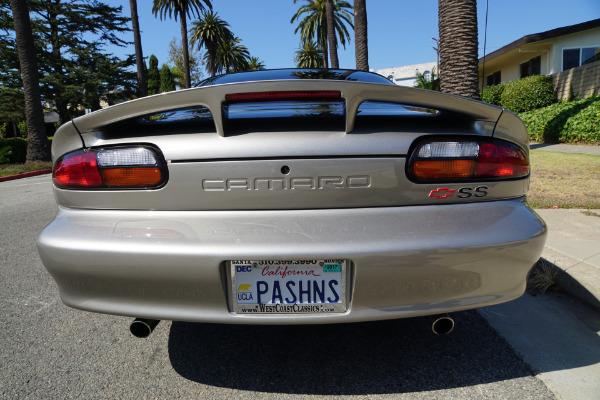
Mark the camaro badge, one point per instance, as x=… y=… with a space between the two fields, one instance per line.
x=442 y=193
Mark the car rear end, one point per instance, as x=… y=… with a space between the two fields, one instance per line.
x=291 y=201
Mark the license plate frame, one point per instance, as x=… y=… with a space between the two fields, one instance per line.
x=323 y=279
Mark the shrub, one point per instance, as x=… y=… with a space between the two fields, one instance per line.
x=17 y=150
x=492 y=94
x=528 y=94
x=22 y=125
x=565 y=122
x=5 y=153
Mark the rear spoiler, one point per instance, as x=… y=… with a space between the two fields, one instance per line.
x=354 y=94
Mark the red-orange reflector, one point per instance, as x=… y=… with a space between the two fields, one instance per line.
x=287 y=95
x=131 y=177
x=444 y=169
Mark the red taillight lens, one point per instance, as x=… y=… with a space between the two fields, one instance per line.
x=443 y=160
x=288 y=95
x=122 y=167
x=79 y=169
x=501 y=160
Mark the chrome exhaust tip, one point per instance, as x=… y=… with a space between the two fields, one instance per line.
x=441 y=324
x=142 y=328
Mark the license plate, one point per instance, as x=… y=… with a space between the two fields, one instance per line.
x=288 y=287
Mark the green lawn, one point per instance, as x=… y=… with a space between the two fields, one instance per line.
x=14 y=169
x=564 y=180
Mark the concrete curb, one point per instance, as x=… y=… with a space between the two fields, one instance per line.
x=25 y=175
x=575 y=280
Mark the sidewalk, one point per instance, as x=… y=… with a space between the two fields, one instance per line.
x=567 y=148
x=573 y=245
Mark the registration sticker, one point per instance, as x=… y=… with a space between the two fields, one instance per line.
x=288 y=287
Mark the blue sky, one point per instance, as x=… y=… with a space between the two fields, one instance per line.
x=400 y=31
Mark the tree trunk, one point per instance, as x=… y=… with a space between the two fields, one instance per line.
x=325 y=53
x=142 y=89
x=361 y=49
x=333 y=56
x=37 y=141
x=211 y=49
x=186 y=54
x=458 y=44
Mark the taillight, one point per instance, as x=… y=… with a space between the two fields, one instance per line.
x=444 y=160
x=286 y=95
x=121 y=167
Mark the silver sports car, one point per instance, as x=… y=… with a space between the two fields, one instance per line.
x=291 y=197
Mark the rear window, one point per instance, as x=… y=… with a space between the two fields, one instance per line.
x=283 y=74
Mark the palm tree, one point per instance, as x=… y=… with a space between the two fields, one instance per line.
x=361 y=48
x=255 y=64
x=232 y=56
x=309 y=56
x=313 y=25
x=427 y=81
x=142 y=90
x=37 y=141
x=208 y=31
x=181 y=9
x=458 y=47
x=333 y=56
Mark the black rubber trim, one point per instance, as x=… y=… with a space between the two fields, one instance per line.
x=283 y=158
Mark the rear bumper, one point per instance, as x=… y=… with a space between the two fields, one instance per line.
x=406 y=261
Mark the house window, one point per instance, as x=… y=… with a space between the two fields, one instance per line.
x=493 y=79
x=532 y=67
x=575 y=57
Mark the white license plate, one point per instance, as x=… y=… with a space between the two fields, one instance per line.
x=288 y=287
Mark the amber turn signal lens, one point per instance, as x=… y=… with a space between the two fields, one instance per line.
x=128 y=177
x=444 y=169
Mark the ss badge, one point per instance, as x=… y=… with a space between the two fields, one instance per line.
x=466 y=192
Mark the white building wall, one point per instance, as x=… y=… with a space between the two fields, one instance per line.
x=589 y=38
x=406 y=75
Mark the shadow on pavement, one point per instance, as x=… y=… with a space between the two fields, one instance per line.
x=368 y=358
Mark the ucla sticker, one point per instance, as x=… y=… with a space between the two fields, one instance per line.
x=245 y=294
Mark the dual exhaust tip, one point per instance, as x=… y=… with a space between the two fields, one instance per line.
x=441 y=324
x=142 y=328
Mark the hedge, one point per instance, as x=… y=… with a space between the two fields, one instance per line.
x=17 y=150
x=575 y=121
x=492 y=94
x=14 y=150
x=528 y=94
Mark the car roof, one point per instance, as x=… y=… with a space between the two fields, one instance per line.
x=296 y=73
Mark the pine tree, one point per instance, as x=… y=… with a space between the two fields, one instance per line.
x=153 y=76
x=70 y=41
x=167 y=84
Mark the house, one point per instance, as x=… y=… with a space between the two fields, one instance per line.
x=571 y=54
x=407 y=75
